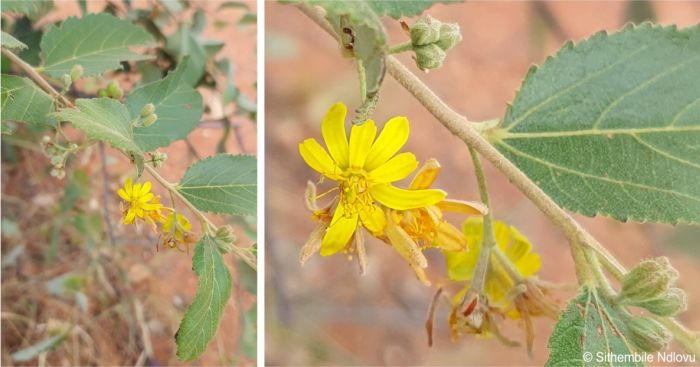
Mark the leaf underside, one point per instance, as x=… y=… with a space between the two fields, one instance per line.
x=589 y=325
x=178 y=106
x=23 y=101
x=404 y=8
x=202 y=317
x=224 y=184
x=10 y=42
x=612 y=125
x=97 y=42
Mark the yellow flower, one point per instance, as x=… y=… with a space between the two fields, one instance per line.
x=138 y=198
x=499 y=284
x=364 y=169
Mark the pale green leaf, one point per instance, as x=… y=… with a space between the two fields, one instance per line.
x=225 y=184
x=404 y=8
x=103 y=119
x=23 y=101
x=184 y=43
x=29 y=353
x=33 y=9
x=10 y=42
x=178 y=106
x=201 y=320
x=588 y=328
x=612 y=125
x=97 y=42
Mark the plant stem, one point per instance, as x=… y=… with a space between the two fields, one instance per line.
x=401 y=47
x=362 y=75
x=488 y=241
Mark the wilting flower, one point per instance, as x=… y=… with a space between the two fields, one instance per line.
x=364 y=169
x=142 y=204
x=510 y=288
x=177 y=232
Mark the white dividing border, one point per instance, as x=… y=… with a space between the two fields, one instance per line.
x=261 y=181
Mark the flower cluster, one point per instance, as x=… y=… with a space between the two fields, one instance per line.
x=364 y=166
x=140 y=204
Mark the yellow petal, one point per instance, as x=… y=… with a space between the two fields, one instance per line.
x=401 y=199
x=127 y=186
x=392 y=138
x=122 y=194
x=373 y=219
x=146 y=198
x=129 y=217
x=426 y=175
x=339 y=232
x=316 y=157
x=333 y=130
x=136 y=190
x=361 y=139
x=395 y=169
x=146 y=188
x=463 y=207
x=449 y=238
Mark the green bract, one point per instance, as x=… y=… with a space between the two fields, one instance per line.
x=612 y=125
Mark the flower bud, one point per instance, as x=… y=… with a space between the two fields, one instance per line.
x=102 y=93
x=158 y=158
x=114 y=91
x=225 y=234
x=647 y=335
x=66 y=81
x=149 y=120
x=148 y=109
x=671 y=303
x=59 y=173
x=429 y=57
x=425 y=31
x=450 y=36
x=648 y=280
x=76 y=72
x=57 y=161
x=45 y=139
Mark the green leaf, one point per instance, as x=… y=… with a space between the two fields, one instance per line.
x=224 y=184
x=178 y=106
x=366 y=40
x=29 y=353
x=103 y=119
x=592 y=325
x=10 y=42
x=404 y=8
x=612 y=125
x=33 y=9
x=23 y=101
x=183 y=43
x=247 y=345
x=202 y=317
x=234 y=5
x=98 y=42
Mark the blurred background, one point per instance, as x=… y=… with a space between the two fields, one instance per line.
x=325 y=313
x=79 y=287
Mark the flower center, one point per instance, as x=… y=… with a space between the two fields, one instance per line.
x=354 y=193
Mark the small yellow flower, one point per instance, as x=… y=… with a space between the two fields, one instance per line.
x=138 y=198
x=364 y=169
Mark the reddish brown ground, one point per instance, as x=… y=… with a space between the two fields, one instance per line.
x=162 y=281
x=325 y=313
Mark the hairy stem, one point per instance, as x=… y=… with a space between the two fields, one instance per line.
x=401 y=47
x=488 y=241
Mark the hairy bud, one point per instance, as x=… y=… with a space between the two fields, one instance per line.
x=648 y=335
x=226 y=234
x=76 y=72
x=450 y=36
x=429 y=57
x=671 y=303
x=114 y=91
x=102 y=93
x=648 y=280
x=149 y=120
x=158 y=158
x=425 y=31
x=148 y=109
x=66 y=81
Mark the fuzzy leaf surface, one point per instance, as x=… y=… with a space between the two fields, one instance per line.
x=202 y=317
x=224 y=184
x=178 y=106
x=611 y=125
x=404 y=8
x=589 y=325
x=23 y=101
x=97 y=42
x=10 y=42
